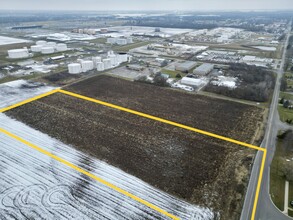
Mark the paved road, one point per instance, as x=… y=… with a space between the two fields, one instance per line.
x=266 y=210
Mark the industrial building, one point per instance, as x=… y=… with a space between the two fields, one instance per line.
x=191 y=81
x=119 y=41
x=204 y=69
x=18 y=53
x=135 y=67
x=186 y=66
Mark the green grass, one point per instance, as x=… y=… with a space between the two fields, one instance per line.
x=285 y=113
x=99 y=40
x=126 y=48
x=172 y=73
x=7 y=79
x=286 y=96
x=290 y=197
x=288 y=74
x=277 y=182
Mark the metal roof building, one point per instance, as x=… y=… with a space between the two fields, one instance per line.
x=186 y=66
x=204 y=69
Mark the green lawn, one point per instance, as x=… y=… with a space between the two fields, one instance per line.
x=277 y=182
x=172 y=73
x=285 y=113
x=286 y=95
x=126 y=48
x=290 y=197
x=99 y=40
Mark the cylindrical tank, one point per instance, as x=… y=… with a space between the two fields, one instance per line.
x=36 y=48
x=74 y=68
x=110 y=53
x=61 y=47
x=96 y=60
x=51 y=44
x=123 y=57
x=18 y=53
x=48 y=50
x=87 y=65
x=129 y=40
x=107 y=64
x=121 y=41
x=41 y=42
x=113 y=60
x=100 y=66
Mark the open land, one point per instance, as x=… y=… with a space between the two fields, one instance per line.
x=35 y=186
x=193 y=167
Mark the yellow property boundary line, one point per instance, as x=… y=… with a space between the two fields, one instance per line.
x=141 y=115
x=110 y=185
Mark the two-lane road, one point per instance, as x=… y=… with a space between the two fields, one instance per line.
x=266 y=210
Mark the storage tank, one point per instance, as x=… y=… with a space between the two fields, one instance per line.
x=47 y=50
x=79 y=60
x=110 y=53
x=111 y=40
x=41 y=42
x=61 y=47
x=36 y=48
x=121 y=41
x=18 y=53
x=123 y=57
x=107 y=64
x=87 y=65
x=129 y=40
x=51 y=44
x=96 y=60
x=100 y=66
x=113 y=60
x=74 y=68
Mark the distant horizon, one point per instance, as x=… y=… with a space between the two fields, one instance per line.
x=148 y=5
x=148 y=11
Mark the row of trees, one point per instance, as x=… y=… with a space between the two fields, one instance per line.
x=254 y=83
x=286 y=167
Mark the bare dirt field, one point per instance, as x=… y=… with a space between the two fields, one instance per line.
x=193 y=167
x=231 y=119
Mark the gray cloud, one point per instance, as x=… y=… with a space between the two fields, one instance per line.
x=96 y=5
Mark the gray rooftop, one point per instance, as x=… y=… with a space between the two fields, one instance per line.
x=187 y=64
x=205 y=67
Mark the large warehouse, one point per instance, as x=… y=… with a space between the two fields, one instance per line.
x=186 y=66
x=204 y=69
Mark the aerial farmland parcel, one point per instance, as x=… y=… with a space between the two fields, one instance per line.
x=196 y=168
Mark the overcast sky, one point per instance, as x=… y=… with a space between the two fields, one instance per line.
x=97 y=5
